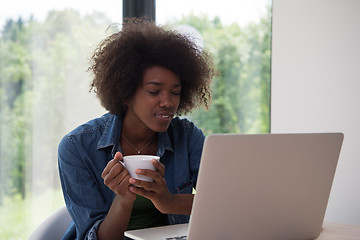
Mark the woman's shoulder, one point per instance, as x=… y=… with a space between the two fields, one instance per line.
x=93 y=125
x=186 y=126
x=89 y=132
x=178 y=122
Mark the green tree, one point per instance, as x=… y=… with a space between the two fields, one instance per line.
x=42 y=74
x=241 y=90
x=14 y=72
x=42 y=66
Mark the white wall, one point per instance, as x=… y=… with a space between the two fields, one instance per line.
x=316 y=85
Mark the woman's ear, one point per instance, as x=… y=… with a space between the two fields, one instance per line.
x=128 y=102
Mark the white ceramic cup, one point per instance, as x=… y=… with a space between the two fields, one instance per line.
x=133 y=162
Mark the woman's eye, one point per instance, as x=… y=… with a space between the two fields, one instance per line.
x=153 y=92
x=176 y=93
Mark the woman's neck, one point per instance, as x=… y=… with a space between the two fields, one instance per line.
x=136 y=133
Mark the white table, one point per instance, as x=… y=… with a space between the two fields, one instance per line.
x=339 y=231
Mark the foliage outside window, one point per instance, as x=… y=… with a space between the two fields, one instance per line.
x=44 y=87
x=241 y=91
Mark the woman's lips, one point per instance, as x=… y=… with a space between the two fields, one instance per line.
x=165 y=115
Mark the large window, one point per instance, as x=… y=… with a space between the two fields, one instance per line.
x=44 y=85
x=237 y=34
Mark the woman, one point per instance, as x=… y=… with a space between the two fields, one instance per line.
x=144 y=76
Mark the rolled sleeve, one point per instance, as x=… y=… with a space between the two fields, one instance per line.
x=92 y=234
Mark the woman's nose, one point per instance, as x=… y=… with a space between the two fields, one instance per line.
x=166 y=100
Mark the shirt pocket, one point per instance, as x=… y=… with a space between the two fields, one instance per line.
x=186 y=187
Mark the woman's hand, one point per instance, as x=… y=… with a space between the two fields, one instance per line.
x=158 y=192
x=116 y=177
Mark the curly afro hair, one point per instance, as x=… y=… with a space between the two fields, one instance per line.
x=119 y=63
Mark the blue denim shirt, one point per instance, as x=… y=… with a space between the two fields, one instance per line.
x=84 y=153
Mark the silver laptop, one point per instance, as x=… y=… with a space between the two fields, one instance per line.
x=259 y=187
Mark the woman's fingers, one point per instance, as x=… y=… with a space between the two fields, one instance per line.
x=159 y=167
x=158 y=183
x=108 y=168
x=115 y=175
x=118 y=157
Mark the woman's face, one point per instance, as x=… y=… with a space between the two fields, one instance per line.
x=156 y=100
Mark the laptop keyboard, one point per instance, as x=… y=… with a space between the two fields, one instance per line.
x=177 y=238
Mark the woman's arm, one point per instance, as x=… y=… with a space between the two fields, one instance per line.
x=116 y=221
x=116 y=177
x=86 y=204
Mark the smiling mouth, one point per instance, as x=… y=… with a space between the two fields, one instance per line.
x=165 y=116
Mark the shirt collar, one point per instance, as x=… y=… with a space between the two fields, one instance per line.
x=111 y=135
x=164 y=143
